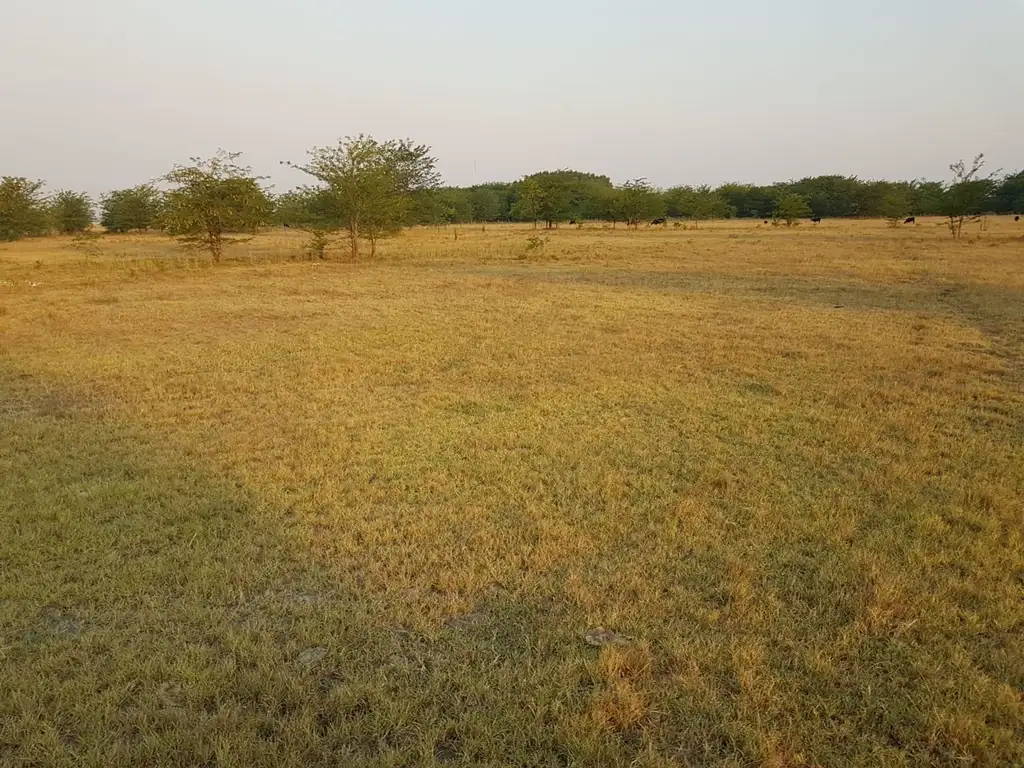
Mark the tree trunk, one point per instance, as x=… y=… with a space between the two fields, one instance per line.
x=353 y=236
x=216 y=246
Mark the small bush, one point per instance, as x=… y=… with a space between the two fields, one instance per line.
x=319 y=241
x=534 y=246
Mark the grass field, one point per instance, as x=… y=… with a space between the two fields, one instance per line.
x=276 y=512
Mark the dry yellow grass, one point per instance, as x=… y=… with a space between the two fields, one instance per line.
x=295 y=513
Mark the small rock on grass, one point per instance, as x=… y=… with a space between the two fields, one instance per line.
x=464 y=621
x=56 y=622
x=599 y=636
x=172 y=695
x=310 y=656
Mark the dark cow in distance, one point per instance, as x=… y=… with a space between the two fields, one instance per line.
x=816 y=220
x=910 y=220
x=572 y=222
x=658 y=221
x=1016 y=218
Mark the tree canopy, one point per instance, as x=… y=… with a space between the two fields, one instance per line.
x=213 y=198
x=127 y=210
x=791 y=207
x=71 y=211
x=371 y=185
x=639 y=202
x=23 y=208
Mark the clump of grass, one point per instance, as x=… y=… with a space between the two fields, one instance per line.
x=535 y=246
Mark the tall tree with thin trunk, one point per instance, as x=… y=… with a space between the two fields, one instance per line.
x=967 y=193
x=372 y=183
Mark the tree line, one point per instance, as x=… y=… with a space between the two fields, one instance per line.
x=362 y=189
x=554 y=197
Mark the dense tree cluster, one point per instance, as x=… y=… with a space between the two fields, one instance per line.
x=562 y=196
x=135 y=209
x=23 y=208
x=370 y=189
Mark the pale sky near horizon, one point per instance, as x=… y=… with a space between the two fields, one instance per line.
x=102 y=94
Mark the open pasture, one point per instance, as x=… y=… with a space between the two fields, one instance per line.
x=275 y=512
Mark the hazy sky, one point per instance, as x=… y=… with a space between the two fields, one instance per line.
x=99 y=94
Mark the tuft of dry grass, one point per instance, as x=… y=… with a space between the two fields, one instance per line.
x=282 y=512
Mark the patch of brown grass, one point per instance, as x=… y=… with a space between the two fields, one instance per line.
x=621 y=703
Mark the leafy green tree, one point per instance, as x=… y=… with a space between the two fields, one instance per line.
x=928 y=198
x=212 y=199
x=607 y=205
x=791 y=207
x=485 y=204
x=382 y=222
x=676 y=201
x=307 y=208
x=290 y=208
x=374 y=183
x=459 y=204
x=547 y=196
x=430 y=207
x=834 y=196
x=715 y=206
x=748 y=200
x=128 y=210
x=313 y=210
x=870 y=196
x=71 y=212
x=896 y=205
x=529 y=199
x=317 y=211
x=639 y=202
x=23 y=208
x=967 y=194
x=586 y=192
x=700 y=203
x=493 y=201
x=1008 y=197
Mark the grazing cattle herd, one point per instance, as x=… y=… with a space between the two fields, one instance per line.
x=664 y=220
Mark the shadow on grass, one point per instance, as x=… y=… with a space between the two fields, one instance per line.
x=153 y=613
x=992 y=308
